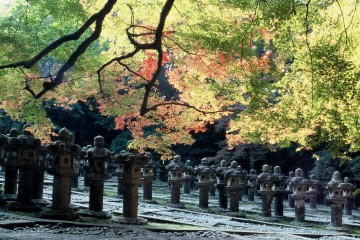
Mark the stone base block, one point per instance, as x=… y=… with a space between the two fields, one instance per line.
x=30 y=207
x=68 y=215
x=94 y=214
x=131 y=221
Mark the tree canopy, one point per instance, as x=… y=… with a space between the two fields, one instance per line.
x=277 y=71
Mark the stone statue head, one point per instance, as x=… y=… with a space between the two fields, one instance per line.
x=299 y=172
x=253 y=172
x=99 y=141
x=234 y=164
x=336 y=176
x=188 y=162
x=223 y=163
x=26 y=129
x=204 y=161
x=291 y=174
x=64 y=135
x=14 y=132
x=346 y=180
x=266 y=168
x=277 y=169
x=177 y=158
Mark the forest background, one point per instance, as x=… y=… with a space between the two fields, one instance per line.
x=256 y=81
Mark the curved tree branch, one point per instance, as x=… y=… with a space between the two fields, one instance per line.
x=97 y=18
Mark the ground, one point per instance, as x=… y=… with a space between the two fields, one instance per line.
x=169 y=223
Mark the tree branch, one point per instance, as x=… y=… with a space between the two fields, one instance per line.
x=98 y=18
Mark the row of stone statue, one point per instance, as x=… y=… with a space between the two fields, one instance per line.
x=231 y=181
x=25 y=161
x=25 y=154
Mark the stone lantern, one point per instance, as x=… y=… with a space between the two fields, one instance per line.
x=251 y=183
x=98 y=158
x=188 y=176
x=313 y=191
x=204 y=182
x=86 y=165
x=9 y=160
x=347 y=191
x=63 y=152
x=233 y=179
x=336 y=198
x=38 y=177
x=213 y=180
x=149 y=175
x=132 y=162
x=26 y=162
x=221 y=184
x=266 y=181
x=176 y=170
x=299 y=186
x=278 y=188
x=119 y=171
x=289 y=190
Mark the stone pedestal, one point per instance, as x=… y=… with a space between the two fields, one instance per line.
x=188 y=177
x=98 y=158
x=63 y=151
x=251 y=183
x=221 y=187
x=336 y=199
x=26 y=163
x=149 y=175
x=288 y=190
x=234 y=182
x=278 y=188
x=119 y=173
x=9 y=160
x=313 y=197
x=204 y=183
x=299 y=185
x=349 y=199
x=221 y=184
x=11 y=176
x=265 y=180
x=132 y=162
x=176 y=171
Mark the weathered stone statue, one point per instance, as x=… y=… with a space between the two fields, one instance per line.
x=149 y=175
x=119 y=172
x=204 y=182
x=63 y=152
x=98 y=157
x=289 y=190
x=221 y=184
x=132 y=162
x=266 y=181
x=9 y=160
x=26 y=162
x=176 y=171
x=348 y=189
x=299 y=185
x=313 y=191
x=188 y=176
x=213 y=180
x=86 y=165
x=251 y=183
x=233 y=178
x=336 y=198
x=278 y=188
